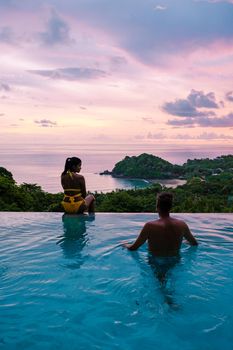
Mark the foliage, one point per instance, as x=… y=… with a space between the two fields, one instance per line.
x=25 y=197
x=146 y=166
x=141 y=200
x=214 y=193
x=205 y=167
x=5 y=173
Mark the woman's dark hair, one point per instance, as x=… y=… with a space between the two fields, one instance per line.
x=164 y=201
x=71 y=163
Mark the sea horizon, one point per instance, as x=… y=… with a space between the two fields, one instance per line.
x=43 y=164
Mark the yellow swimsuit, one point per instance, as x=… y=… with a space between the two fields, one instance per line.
x=72 y=204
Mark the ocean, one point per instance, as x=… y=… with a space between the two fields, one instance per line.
x=43 y=164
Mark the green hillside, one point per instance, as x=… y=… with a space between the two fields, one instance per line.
x=146 y=166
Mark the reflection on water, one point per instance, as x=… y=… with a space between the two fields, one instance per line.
x=162 y=272
x=162 y=268
x=75 y=237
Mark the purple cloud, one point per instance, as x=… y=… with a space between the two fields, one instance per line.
x=58 y=32
x=4 y=87
x=183 y=108
x=188 y=107
x=150 y=31
x=151 y=136
x=213 y=136
x=229 y=96
x=156 y=33
x=204 y=136
x=70 y=74
x=184 y=122
x=45 y=123
x=223 y=122
x=199 y=99
x=226 y=121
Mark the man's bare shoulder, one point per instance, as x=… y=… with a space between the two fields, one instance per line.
x=152 y=224
x=178 y=222
x=161 y=222
x=149 y=223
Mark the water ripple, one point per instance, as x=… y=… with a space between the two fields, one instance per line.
x=68 y=281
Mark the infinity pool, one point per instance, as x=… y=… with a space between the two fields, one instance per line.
x=66 y=283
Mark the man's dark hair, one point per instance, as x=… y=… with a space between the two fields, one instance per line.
x=164 y=201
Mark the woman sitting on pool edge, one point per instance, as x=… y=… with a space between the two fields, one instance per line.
x=75 y=200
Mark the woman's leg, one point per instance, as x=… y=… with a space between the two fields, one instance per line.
x=90 y=203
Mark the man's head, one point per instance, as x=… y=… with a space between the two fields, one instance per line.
x=164 y=202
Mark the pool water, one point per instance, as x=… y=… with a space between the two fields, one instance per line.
x=67 y=283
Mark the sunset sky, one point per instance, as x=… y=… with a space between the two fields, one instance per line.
x=127 y=71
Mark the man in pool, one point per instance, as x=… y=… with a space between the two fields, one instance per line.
x=164 y=235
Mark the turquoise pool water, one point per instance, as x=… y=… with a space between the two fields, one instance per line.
x=66 y=283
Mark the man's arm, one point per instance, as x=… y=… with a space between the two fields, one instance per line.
x=142 y=237
x=188 y=236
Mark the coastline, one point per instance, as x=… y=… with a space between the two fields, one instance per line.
x=173 y=182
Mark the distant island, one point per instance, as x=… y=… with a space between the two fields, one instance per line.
x=149 y=167
x=208 y=188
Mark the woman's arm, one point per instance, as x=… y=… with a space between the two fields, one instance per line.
x=82 y=186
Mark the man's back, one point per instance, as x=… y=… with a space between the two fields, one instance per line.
x=165 y=236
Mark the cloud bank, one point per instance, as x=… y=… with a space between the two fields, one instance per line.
x=70 y=74
x=207 y=122
x=192 y=113
x=188 y=107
